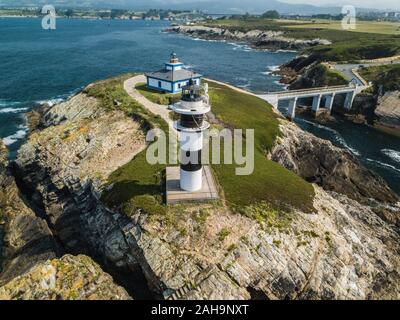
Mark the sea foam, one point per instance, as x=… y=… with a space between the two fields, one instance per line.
x=20 y=134
x=392 y=154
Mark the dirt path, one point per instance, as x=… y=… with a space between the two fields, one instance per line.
x=157 y=109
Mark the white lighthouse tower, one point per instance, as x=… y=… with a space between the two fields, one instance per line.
x=191 y=126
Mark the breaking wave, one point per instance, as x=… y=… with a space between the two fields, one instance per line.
x=336 y=135
x=382 y=164
x=392 y=154
x=20 y=134
x=13 y=110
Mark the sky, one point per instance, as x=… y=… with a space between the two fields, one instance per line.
x=381 y=4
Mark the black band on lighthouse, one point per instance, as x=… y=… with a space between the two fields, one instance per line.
x=191 y=121
x=191 y=160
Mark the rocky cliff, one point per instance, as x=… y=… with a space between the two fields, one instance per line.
x=29 y=251
x=270 y=40
x=343 y=250
x=68 y=278
x=388 y=111
x=318 y=161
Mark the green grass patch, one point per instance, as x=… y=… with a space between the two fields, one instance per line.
x=270 y=182
x=223 y=234
x=112 y=96
x=387 y=76
x=267 y=216
x=157 y=96
x=320 y=76
x=139 y=185
x=138 y=177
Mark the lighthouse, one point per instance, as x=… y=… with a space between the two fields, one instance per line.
x=192 y=109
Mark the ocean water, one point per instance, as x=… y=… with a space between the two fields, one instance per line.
x=39 y=66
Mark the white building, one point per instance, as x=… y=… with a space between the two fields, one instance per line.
x=173 y=77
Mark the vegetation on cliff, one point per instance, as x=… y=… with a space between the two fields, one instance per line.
x=367 y=43
x=68 y=278
x=139 y=182
x=319 y=76
x=387 y=77
x=155 y=96
x=270 y=182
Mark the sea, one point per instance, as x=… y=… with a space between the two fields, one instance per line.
x=48 y=66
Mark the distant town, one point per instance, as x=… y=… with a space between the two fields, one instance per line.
x=178 y=15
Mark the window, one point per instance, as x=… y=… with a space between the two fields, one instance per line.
x=159 y=84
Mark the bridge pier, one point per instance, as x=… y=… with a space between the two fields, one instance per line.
x=292 y=108
x=329 y=102
x=348 y=102
x=316 y=103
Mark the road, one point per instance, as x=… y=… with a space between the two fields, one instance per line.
x=348 y=69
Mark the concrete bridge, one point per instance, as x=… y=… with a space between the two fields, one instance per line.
x=329 y=93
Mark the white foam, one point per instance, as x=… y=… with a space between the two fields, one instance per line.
x=20 y=134
x=51 y=102
x=392 y=154
x=238 y=46
x=382 y=164
x=5 y=103
x=13 y=110
x=337 y=136
x=274 y=68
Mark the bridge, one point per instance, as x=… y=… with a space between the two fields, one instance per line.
x=328 y=93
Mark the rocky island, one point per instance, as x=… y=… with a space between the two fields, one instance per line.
x=79 y=191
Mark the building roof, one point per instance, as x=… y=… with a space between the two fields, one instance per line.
x=173 y=76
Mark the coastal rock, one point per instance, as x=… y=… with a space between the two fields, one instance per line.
x=29 y=250
x=68 y=278
x=271 y=40
x=388 y=110
x=334 y=169
x=342 y=251
x=25 y=238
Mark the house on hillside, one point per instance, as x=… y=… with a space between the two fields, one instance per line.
x=173 y=77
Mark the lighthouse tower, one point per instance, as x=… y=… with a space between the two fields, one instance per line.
x=192 y=109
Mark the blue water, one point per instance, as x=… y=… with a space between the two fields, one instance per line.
x=38 y=66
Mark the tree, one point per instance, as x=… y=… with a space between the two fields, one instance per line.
x=271 y=14
x=69 y=13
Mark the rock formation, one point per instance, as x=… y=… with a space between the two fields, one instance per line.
x=29 y=266
x=68 y=278
x=318 y=161
x=388 y=110
x=343 y=250
x=270 y=40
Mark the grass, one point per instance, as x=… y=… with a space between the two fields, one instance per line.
x=267 y=216
x=387 y=76
x=140 y=186
x=269 y=182
x=157 y=96
x=388 y=28
x=223 y=234
x=321 y=76
x=138 y=177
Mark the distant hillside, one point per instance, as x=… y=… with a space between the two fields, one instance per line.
x=221 y=6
